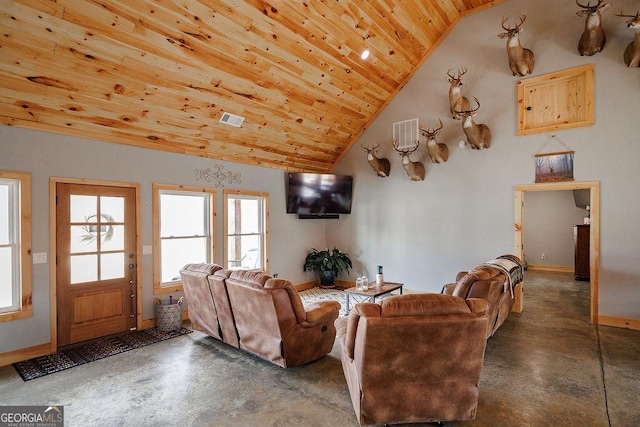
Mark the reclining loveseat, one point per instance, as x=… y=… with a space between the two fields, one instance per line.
x=493 y=281
x=259 y=314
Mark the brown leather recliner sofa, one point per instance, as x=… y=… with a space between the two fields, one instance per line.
x=414 y=358
x=258 y=313
x=493 y=281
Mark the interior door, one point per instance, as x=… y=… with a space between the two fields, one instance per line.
x=96 y=261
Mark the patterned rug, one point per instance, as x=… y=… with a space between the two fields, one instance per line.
x=319 y=294
x=94 y=350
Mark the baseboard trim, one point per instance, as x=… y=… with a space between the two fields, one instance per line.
x=24 y=354
x=619 y=322
x=556 y=268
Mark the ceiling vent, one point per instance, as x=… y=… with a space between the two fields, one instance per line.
x=231 y=119
x=406 y=133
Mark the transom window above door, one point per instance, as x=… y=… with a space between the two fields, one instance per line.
x=183 y=223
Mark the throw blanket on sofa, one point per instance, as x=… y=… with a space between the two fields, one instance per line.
x=511 y=266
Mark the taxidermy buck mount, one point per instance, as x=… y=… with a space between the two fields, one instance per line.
x=593 y=37
x=380 y=165
x=415 y=170
x=632 y=52
x=521 y=60
x=438 y=152
x=478 y=135
x=455 y=94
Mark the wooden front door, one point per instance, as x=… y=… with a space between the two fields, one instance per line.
x=96 y=261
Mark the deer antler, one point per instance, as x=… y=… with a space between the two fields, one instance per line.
x=430 y=133
x=588 y=6
x=523 y=18
x=627 y=16
x=449 y=74
x=370 y=149
x=473 y=110
x=406 y=151
x=461 y=72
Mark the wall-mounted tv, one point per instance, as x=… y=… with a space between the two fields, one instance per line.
x=318 y=195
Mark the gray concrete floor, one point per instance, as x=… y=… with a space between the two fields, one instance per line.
x=545 y=367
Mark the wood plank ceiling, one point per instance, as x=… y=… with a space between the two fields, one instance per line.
x=159 y=74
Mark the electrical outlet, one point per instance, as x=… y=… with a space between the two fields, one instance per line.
x=544 y=256
x=39 y=257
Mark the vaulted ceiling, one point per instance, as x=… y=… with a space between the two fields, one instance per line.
x=159 y=74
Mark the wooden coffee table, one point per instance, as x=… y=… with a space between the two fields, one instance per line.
x=373 y=291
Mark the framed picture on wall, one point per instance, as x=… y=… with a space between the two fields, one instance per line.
x=553 y=167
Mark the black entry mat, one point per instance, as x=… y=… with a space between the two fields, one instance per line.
x=94 y=350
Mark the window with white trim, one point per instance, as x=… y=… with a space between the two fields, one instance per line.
x=245 y=230
x=184 y=232
x=15 y=245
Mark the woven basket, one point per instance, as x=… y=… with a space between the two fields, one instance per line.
x=169 y=314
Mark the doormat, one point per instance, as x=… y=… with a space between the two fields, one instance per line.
x=94 y=350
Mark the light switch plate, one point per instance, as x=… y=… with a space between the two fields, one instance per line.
x=39 y=257
x=146 y=250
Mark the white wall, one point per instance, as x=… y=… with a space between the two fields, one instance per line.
x=47 y=155
x=549 y=219
x=462 y=214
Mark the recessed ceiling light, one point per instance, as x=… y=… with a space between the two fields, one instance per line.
x=365 y=54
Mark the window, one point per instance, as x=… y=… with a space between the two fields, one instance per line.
x=183 y=230
x=15 y=245
x=245 y=230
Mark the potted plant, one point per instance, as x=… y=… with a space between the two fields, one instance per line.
x=328 y=263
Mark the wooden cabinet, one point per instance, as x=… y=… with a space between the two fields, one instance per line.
x=581 y=248
x=560 y=100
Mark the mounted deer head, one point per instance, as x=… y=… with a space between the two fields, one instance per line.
x=380 y=165
x=454 y=91
x=415 y=170
x=521 y=60
x=593 y=37
x=632 y=52
x=478 y=135
x=438 y=152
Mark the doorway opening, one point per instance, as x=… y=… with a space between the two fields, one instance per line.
x=594 y=237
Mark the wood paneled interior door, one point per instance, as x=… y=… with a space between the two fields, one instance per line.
x=96 y=261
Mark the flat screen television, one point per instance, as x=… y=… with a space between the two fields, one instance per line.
x=318 y=195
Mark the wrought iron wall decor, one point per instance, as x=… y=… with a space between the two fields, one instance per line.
x=217 y=175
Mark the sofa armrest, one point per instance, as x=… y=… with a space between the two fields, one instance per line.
x=448 y=288
x=320 y=310
x=478 y=305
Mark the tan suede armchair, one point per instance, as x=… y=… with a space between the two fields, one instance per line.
x=414 y=358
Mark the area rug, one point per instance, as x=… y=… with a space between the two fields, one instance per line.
x=94 y=350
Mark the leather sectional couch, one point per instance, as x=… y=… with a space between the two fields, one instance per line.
x=493 y=281
x=259 y=314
